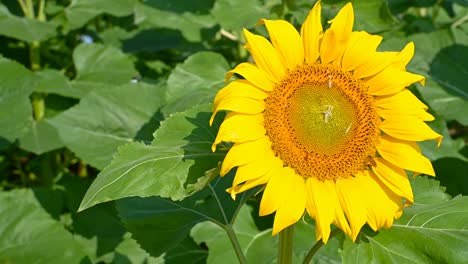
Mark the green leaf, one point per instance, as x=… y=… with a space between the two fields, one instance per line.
x=247 y=13
x=41 y=137
x=160 y=225
x=427 y=190
x=192 y=20
x=195 y=81
x=130 y=252
x=260 y=247
x=24 y=28
x=106 y=119
x=29 y=235
x=102 y=64
x=54 y=82
x=445 y=104
x=79 y=12
x=429 y=233
x=16 y=85
x=448 y=148
x=98 y=67
x=170 y=167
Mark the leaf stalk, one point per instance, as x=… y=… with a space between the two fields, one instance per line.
x=285 y=246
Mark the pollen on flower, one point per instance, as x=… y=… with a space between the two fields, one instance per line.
x=321 y=132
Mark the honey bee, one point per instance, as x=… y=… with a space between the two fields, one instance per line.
x=370 y=162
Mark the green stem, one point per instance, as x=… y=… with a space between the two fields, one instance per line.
x=40 y=13
x=318 y=245
x=30 y=9
x=35 y=55
x=235 y=243
x=38 y=105
x=285 y=247
x=23 y=7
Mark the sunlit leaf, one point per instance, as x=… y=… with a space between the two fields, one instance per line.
x=79 y=12
x=29 y=235
x=24 y=28
x=108 y=118
x=179 y=157
x=16 y=85
x=160 y=225
x=427 y=233
x=195 y=81
x=192 y=20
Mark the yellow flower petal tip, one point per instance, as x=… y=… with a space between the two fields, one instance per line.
x=324 y=122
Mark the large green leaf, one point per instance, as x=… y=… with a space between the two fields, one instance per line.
x=430 y=233
x=428 y=191
x=16 y=85
x=445 y=104
x=106 y=119
x=41 y=137
x=195 y=81
x=24 y=28
x=247 y=13
x=260 y=247
x=102 y=64
x=160 y=225
x=192 y=20
x=172 y=166
x=448 y=148
x=29 y=235
x=79 y=12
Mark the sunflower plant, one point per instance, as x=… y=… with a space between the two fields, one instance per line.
x=226 y=131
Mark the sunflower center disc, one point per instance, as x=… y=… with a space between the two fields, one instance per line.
x=321 y=122
x=322 y=118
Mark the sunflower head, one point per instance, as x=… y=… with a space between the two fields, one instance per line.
x=324 y=121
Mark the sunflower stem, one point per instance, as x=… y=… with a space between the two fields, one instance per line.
x=285 y=246
x=235 y=243
x=318 y=245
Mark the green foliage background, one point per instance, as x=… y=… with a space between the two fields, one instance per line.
x=105 y=147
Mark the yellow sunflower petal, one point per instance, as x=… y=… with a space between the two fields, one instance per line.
x=311 y=33
x=336 y=37
x=404 y=57
x=240 y=128
x=286 y=41
x=359 y=49
x=265 y=56
x=377 y=61
x=323 y=205
x=273 y=195
x=238 y=104
x=402 y=100
x=396 y=113
x=392 y=80
x=234 y=191
x=256 y=168
x=404 y=154
x=394 y=178
x=254 y=75
x=352 y=200
x=382 y=205
x=294 y=203
x=243 y=153
x=240 y=88
x=409 y=128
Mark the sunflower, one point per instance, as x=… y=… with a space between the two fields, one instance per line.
x=324 y=122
